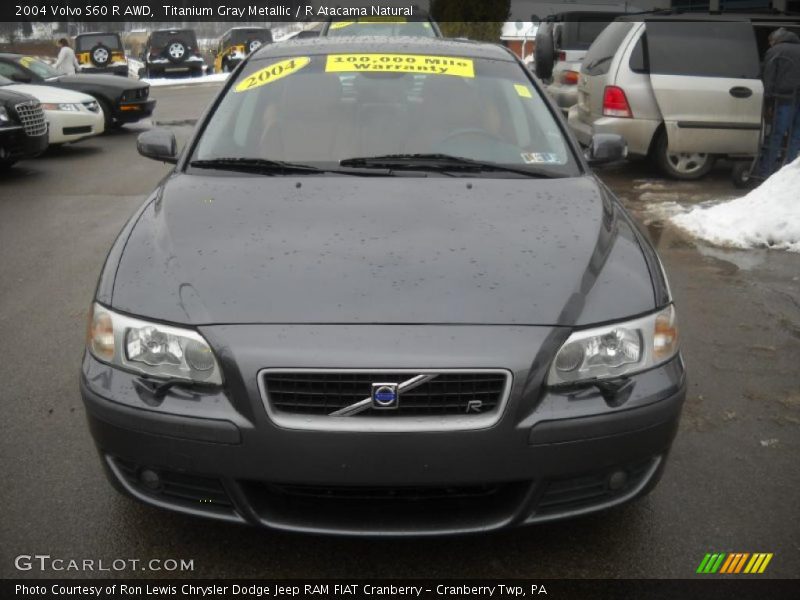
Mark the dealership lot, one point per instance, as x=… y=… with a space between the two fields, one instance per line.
x=731 y=484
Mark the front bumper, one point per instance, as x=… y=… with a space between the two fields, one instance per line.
x=130 y=111
x=15 y=144
x=67 y=126
x=551 y=455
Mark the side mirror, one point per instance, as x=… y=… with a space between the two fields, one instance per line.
x=20 y=78
x=158 y=144
x=606 y=148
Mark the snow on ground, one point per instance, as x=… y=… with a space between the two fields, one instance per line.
x=767 y=216
x=162 y=81
x=134 y=66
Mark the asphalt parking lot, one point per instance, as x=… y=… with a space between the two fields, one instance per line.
x=732 y=483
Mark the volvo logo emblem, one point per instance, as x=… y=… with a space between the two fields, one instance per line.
x=385 y=396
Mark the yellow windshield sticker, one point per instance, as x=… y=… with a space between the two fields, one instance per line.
x=523 y=91
x=26 y=61
x=400 y=63
x=342 y=24
x=273 y=72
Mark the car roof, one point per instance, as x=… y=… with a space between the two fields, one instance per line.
x=705 y=17
x=85 y=33
x=252 y=27
x=387 y=45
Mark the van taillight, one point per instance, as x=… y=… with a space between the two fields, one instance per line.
x=615 y=103
x=569 y=78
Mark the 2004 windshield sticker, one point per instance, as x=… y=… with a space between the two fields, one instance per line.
x=400 y=63
x=273 y=72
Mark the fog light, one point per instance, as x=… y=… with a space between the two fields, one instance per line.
x=617 y=480
x=150 y=479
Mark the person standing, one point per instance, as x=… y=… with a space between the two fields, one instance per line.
x=66 y=63
x=782 y=89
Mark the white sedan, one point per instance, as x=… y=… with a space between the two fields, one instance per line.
x=71 y=116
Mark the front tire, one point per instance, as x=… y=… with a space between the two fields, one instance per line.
x=108 y=118
x=686 y=166
x=7 y=163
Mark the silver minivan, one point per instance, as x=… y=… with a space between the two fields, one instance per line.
x=683 y=92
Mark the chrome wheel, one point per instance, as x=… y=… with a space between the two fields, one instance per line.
x=688 y=163
x=177 y=50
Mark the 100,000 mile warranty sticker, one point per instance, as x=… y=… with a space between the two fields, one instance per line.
x=400 y=63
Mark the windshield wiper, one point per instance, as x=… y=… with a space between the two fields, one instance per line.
x=438 y=162
x=254 y=165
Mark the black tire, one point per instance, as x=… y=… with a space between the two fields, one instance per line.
x=7 y=163
x=545 y=52
x=683 y=166
x=100 y=55
x=741 y=175
x=108 y=117
x=176 y=51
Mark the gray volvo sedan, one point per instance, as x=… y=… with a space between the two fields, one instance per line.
x=382 y=293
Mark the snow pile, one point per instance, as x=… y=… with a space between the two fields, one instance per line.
x=162 y=81
x=767 y=216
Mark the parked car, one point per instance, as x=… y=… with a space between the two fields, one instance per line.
x=406 y=306
x=122 y=100
x=23 y=127
x=101 y=53
x=561 y=44
x=236 y=43
x=71 y=116
x=381 y=26
x=171 y=51
x=682 y=92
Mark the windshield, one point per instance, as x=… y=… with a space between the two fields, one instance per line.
x=395 y=28
x=321 y=110
x=85 y=43
x=40 y=68
x=242 y=36
x=598 y=58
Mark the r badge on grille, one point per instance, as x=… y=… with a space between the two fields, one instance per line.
x=385 y=396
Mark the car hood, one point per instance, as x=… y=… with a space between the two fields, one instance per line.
x=240 y=249
x=44 y=93
x=8 y=94
x=96 y=81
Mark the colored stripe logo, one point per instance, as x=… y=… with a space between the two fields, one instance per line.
x=733 y=563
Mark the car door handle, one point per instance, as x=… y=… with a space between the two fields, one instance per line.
x=740 y=92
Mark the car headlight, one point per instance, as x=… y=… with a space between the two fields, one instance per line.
x=69 y=107
x=616 y=350
x=5 y=118
x=92 y=106
x=151 y=348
